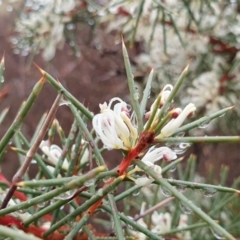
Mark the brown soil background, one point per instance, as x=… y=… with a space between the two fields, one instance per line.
x=95 y=77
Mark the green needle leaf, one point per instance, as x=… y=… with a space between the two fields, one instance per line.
x=205 y=217
x=146 y=93
x=133 y=92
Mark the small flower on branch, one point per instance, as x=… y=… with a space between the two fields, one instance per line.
x=184 y=235
x=161 y=222
x=153 y=155
x=114 y=127
x=53 y=153
x=175 y=123
x=164 y=94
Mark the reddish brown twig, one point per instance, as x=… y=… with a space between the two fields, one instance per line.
x=145 y=139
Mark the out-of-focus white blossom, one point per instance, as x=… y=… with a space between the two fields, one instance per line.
x=53 y=153
x=114 y=127
x=206 y=93
x=140 y=235
x=22 y=215
x=186 y=235
x=145 y=181
x=42 y=26
x=12 y=202
x=52 y=170
x=162 y=222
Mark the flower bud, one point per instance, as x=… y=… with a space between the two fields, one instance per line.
x=53 y=153
x=165 y=94
x=143 y=181
x=174 y=124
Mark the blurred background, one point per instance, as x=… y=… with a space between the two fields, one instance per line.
x=79 y=43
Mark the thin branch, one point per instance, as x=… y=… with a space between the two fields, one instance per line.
x=31 y=152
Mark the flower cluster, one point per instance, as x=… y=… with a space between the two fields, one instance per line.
x=162 y=223
x=205 y=92
x=116 y=130
x=42 y=26
x=54 y=152
x=114 y=127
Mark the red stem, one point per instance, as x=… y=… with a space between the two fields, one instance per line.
x=145 y=139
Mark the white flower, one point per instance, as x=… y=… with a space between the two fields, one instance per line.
x=84 y=155
x=164 y=96
x=206 y=88
x=165 y=93
x=174 y=124
x=186 y=235
x=153 y=155
x=53 y=153
x=140 y=235
x=145 y=181
x=44 y=24
x=114 y=127
x=13 y=202
x=168 y=58
x=162 y=222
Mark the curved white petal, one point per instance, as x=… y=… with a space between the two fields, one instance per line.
x=145 y=181
x=115 y=99
x=104 y=126
x=155 y=154
x=174 y=124
x=165 y=93
x=56 y=151
x=182 y=224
